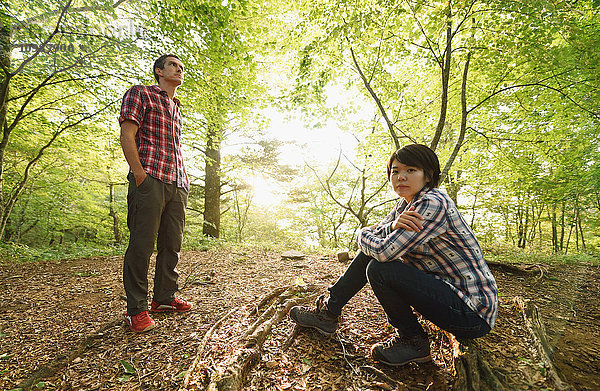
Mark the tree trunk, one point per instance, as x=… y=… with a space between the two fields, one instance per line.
x=562 y=227
x=581 y=232
x=445 y=65
x=520 y=223
x=212 y=183
x=453 y=186
x=5 y=76
x=463 y=121
x=578 y=229
x=552 y=215
x=113 y=213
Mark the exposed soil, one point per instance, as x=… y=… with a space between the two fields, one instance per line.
x=68 y=316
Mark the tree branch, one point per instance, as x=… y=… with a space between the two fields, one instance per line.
x=48 y=39
x=537 y=84
x=389 y=123
x=36 y=19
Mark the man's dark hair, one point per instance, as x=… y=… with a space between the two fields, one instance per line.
x=420 y=156
x=160 y=63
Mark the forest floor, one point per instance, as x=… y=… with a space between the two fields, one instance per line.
x=61 y=327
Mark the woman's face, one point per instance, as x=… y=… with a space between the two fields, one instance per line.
x=407 y=181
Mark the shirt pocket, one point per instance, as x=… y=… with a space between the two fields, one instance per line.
x=156 y=112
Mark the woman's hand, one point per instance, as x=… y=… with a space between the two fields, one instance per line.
x=409 y=220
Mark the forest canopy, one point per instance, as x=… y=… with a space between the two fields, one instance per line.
x=292 y=109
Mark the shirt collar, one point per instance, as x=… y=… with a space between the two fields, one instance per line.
x=164 y=93
x=404 y=204
x=421 y=192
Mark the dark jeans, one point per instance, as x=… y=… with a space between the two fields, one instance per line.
x=155 y=210
x=398 y=287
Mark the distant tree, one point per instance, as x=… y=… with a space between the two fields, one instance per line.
x=53 y=79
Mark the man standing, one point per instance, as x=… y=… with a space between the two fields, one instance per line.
x=151 y=126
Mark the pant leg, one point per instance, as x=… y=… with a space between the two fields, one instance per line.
x=400 y=286
x=348 y=285
x=170 y=237
x=144 y=208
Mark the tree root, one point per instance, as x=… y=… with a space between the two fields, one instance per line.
x=290 y=340
x=200 y=350
x=60 y=362
x=537 y=330
x=249 y=350
x=519 y=269
x=284 y=295
x=396 y=384
x=473 y=372
x=267 y=299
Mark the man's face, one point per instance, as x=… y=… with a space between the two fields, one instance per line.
x=172 y=72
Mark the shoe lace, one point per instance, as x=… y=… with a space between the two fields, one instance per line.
x=320 y=306
x=391 y=342
x=143 y=316
x=401 y=339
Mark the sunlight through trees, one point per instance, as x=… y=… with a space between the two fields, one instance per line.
x=507 y=93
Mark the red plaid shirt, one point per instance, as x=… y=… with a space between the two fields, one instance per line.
x=158 y=138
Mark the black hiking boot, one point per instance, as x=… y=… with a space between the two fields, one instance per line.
x=402 y=350
x=319 y=318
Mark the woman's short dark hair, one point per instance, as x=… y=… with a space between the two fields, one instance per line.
x=160 y=63
x=421 y=156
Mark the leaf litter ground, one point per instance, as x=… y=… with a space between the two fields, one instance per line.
x=67 y=317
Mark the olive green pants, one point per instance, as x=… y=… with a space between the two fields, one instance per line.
x=155 y=214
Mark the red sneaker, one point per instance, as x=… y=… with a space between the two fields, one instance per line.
x=140 y=322
x=177 y=305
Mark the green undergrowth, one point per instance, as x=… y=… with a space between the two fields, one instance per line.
x=11 y=252
x=19 y=253
x=15 y=252
x=508 y=254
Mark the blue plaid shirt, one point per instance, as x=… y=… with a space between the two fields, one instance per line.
x=446 y=247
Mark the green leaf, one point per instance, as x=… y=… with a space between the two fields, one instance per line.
x=299 y=282
x=307 y=361
x=129 y=369
x=124 y=378
x=4 y=356
x=40 y=384
x=181 y=375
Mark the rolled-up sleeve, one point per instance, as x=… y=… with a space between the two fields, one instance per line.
x=390 y=245
x=132 y=107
